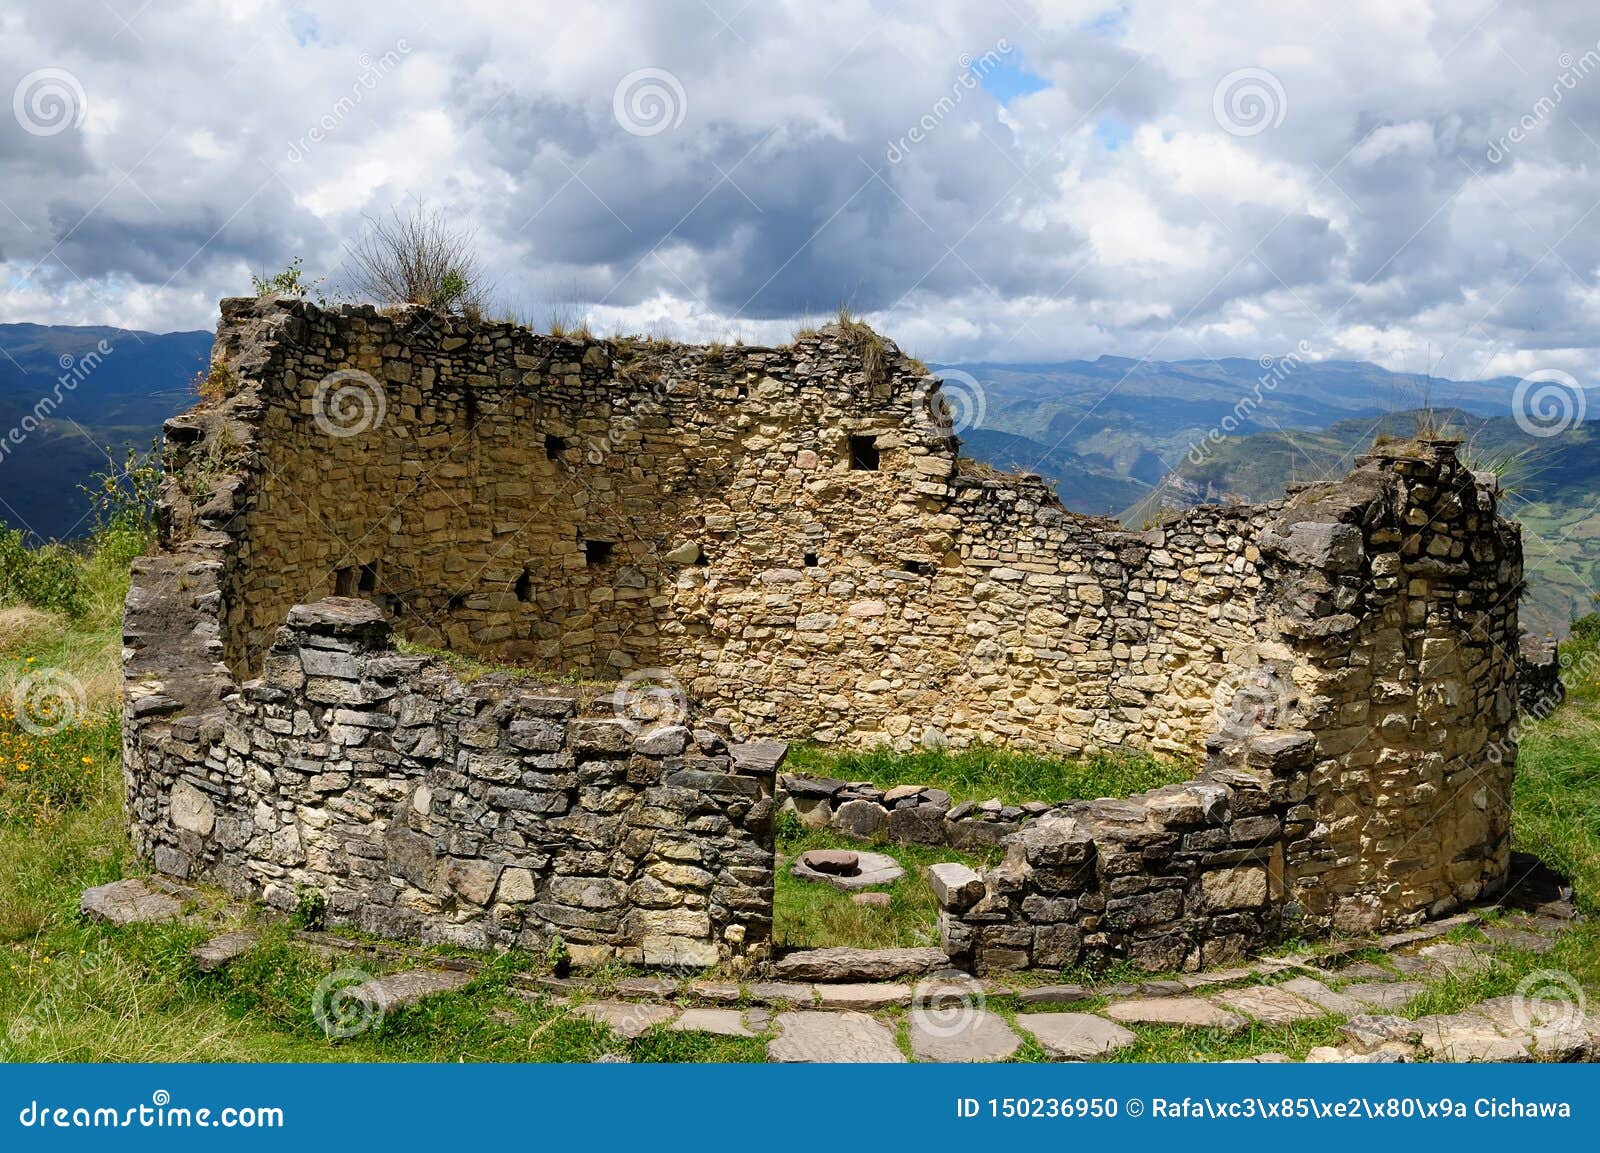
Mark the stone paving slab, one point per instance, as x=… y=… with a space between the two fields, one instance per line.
x=628 y=1019
x=129 y=902
x=1558 y=1028
x=1385 y=996
x=1447 y=959
x=409 y=987
x=793 y=992
x=1470 y=1037
x=809 y=1036
x=1513 y=938
x=865 y=997
x=722 y=1022
x=851 y=965
x=1075 y=1036
x=1269 y=1004
x=1366 y=971
x=1055 y=995
x=717 y=992
x=1190 y=1012
x=1313 y=990
x=218 y=951
x=961 y=1033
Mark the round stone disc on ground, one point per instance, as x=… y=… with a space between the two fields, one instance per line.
x=811 y=1036
x=871 y=869
x=961 y=1033
x=1075 y=1036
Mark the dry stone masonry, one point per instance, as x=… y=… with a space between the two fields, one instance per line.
x=769 y=543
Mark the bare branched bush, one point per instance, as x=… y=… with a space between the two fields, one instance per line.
x=418 y=258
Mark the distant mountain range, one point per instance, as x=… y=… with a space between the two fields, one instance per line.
x=70 y=396
x=1115 y=436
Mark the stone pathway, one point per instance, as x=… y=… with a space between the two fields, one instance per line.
x=841 y=1005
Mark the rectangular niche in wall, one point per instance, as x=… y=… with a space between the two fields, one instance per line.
x=598 y=551
x=554 y=446
x=864 y=453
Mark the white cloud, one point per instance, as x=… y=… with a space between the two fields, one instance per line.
x=1373 y=220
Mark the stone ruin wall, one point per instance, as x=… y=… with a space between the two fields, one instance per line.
x=1368 y=625
x=791 y=594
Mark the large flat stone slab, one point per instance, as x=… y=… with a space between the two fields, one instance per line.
x=1447 y=959
x=1385 y=996
x=1269 y=1004
x=1188 y=1012
x=871 y=869
x=812 y=1036
x=1055 y=995
x=628 y=1019
x=842 y=964
x=1470 y=1037
x=407 y=988
x=961 y=1033
x=130 y=902
x=1558 y=1027
x=721 y=1022
x=218 y=951
x=1075 y=1036
x=1313 y=990
x=865 y=997
x=791 y=992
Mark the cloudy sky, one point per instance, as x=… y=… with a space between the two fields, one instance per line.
x=1410 y=183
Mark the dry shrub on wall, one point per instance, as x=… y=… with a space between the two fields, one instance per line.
x=418 y=258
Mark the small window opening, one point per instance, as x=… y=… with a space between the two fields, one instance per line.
x=597 y=551
x=456 y=603
x=368 y=582
x=554 y=446
x=344 y=581
x=864 y=453
x=524 y=587
x=919 y=567
x=811 y=560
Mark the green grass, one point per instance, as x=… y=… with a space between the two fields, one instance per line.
x=981 y=772
x=810 y=914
